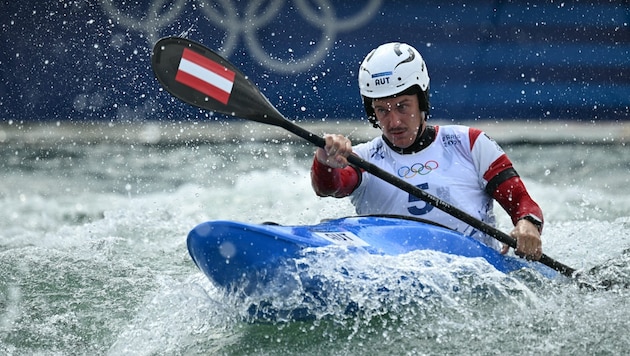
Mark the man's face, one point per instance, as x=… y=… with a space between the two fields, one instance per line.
x=400 y=118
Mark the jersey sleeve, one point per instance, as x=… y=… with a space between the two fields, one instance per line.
x=512 y=195
x=334 y=182
x=501 y=180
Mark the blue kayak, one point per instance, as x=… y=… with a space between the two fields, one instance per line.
x=242 y=255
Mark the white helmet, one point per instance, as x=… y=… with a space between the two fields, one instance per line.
x=391 y=69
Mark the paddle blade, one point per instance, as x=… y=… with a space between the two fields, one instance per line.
x=201 y=77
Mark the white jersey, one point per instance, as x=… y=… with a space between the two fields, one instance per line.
x=451 y=168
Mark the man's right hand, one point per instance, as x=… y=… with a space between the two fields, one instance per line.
x=336 y=151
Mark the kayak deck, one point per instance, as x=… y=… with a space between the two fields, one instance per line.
x=231 y=253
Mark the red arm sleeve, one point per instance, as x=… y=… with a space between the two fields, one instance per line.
x=334 y=182
x=514 y=198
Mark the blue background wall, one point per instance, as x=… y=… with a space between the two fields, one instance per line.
x=87 y=60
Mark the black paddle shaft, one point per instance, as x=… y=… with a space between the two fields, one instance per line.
x=243 y=99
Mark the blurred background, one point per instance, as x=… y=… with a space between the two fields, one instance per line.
x=488 y=60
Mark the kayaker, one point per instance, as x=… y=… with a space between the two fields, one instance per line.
x=458 y=164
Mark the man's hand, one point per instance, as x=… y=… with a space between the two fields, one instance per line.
x=336 y=151
x=528 y=242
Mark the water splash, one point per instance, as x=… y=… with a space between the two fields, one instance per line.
x=333 y=283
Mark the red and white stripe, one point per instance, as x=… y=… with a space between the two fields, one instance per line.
x=205 y=75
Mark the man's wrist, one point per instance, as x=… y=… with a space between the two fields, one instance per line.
x=534 y=220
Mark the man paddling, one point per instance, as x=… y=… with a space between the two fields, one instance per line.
x=458 y=164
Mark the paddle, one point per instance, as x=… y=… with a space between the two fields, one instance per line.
x=200 y=77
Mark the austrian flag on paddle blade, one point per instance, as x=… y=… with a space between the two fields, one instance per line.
x=205 y=75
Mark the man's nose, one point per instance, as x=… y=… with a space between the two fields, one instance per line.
x=394 y=118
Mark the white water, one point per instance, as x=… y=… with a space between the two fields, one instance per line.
x=93 y=257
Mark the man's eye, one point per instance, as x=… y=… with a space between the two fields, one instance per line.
x=404 y=108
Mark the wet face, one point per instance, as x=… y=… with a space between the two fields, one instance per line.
x=400 y=119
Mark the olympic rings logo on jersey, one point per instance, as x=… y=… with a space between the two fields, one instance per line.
x=418 y=168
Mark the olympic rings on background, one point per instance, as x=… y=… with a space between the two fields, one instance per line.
x=417 y=168
x=258 y=14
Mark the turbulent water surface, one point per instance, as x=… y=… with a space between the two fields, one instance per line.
x=93 y=259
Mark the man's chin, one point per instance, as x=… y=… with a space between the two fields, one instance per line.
x=401 y=143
